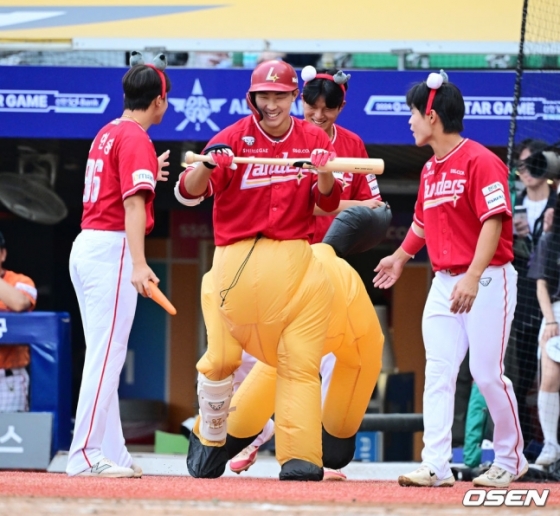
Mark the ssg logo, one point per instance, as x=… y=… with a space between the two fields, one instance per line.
x=197 y=109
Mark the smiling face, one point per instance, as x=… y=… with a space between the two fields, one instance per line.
x=321 y=115
x=275 y=108
x=421 y=128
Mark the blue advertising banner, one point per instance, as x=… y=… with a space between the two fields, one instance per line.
x=53 y=102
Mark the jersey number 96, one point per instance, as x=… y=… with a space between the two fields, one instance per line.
x=94 y=167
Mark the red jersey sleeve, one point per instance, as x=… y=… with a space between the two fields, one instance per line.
x=360 y=189
x=183 y=196
x=488 y=187
x=138 y=165
x=419 y=206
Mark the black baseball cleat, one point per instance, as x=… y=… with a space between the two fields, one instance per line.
x=297 y=469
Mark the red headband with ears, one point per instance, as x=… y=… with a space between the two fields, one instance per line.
x=431 y=97
x=162 y=78
x=434 y=82
x=330 y=78
x=309 y=74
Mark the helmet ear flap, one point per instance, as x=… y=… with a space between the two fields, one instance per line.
x=251 y=102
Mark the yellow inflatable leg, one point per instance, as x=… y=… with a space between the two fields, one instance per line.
x=254 y=402
x=356 y=370
x=223 y=355
x=298 y=392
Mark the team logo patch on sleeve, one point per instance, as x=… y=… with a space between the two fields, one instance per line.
x=492 y=188
x=143 y=176
x=495 y=199
x=372 y=183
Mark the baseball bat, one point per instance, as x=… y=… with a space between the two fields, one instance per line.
x=353 y=165
x=159 y=297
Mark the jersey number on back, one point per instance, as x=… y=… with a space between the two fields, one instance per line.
x=94 y=167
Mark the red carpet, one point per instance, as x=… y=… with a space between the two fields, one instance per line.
x=239 y=489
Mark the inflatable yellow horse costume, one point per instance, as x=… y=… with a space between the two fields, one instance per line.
x=287 y=383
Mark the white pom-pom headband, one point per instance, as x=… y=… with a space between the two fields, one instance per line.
x=434 y=82
x=309 y=73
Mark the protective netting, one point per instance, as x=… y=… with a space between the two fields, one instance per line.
x=535 y=197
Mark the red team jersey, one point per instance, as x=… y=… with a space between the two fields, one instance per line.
x=276 y=201
x=121 y=161
x=457 y=194
x=358 y=187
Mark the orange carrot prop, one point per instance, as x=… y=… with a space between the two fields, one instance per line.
x=159 y=297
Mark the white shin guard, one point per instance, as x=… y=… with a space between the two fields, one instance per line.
x=214 y=399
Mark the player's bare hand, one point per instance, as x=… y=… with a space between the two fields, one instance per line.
x=320 y=157
x=550 y=330
x=163 y=163
x=463 y=294
x=388 y=271
x=371 y=203
x=141 y=276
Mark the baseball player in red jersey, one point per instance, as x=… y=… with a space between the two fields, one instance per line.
x=324 y=97
x=265 y=286
x=463 y=216
x=108 y=265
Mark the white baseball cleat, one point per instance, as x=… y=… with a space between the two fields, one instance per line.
x=424 y=477
x=549 y=454
x=106 y=468
x=137 y=470
x=498 y=477
x=333 y=474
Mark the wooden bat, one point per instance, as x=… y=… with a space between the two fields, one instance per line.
x=159 y=297
x=353 y=165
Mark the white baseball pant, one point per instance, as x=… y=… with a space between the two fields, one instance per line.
x=485 y=332
x=101 y=268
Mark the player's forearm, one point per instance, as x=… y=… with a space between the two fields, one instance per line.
x=325 y=183
x=486 y=246
x=544 y=300
x=401 y=255
x=196 y=181
x=13 y=298
x=135 y=226
x=413 y=243
x=344 y=204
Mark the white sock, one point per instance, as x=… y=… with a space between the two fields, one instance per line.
x=549 y=411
